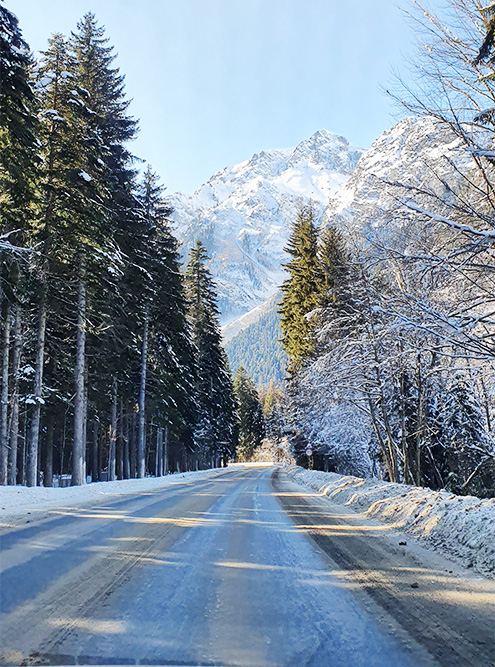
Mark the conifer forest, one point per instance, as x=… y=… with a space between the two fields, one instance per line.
x=112 y=365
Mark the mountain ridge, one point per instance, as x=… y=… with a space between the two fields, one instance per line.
x=244 y=212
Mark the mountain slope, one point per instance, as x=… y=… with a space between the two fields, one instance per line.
x=257 y=346
x=414 y=152
x=243 y=214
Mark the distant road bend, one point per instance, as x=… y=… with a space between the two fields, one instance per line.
x=244 y=568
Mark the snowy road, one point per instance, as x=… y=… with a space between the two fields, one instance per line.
x=223 y=572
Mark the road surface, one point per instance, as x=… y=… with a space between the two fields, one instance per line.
x=244 y=568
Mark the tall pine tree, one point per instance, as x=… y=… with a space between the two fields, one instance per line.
x=215 y=432
x=251 y=422
x=18 y=195
x=301 y=292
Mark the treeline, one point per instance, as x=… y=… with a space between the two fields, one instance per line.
x=111 y=357
x=391 y=338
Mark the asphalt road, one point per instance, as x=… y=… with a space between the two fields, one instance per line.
x=240 y=569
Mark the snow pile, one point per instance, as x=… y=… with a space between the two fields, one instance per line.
x=18 y=501
x=461 y=527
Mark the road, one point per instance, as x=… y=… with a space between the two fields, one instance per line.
x=244 y=568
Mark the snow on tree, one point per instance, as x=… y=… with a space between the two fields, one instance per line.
x=216 y=428
x=251 y=422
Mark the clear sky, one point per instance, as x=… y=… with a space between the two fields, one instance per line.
x=214 y=81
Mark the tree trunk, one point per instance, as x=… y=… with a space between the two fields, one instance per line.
x=165 y=452
x=48 y=458
x=21 y=451
x=95 y=468
x=126 y=439
x=4 y=432
x=14 y=412
x=120 y=442
x=142 y=400
x=158 y=452
x=78 y=476
x=112 y=434
x=34 y=427
x=132 y=444
x=85 y=425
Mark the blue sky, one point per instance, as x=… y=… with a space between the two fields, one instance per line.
x=214 y=81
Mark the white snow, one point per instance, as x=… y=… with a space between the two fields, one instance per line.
x=17 y=502
x=244 y=213
x=460 y=527
x=86 y=176
x=53 y=115
x=488 y=234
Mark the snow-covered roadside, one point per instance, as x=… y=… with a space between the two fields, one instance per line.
x=20 y=501
x=459 y=527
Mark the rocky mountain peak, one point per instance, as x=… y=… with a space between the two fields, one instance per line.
x=243 y=214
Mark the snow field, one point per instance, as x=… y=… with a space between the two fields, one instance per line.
x=460 y=527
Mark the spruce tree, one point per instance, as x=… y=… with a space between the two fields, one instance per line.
x=18 y=198
x=301 y=292
x=110 y=177
x=215 y=431
x=251 y=422
x=18 y=133
x=62 y=205
x=171 y=368
x=464 y=440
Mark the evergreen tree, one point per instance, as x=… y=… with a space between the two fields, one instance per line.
x=485 y=53
x=64 y=203
x=251 y=422
x=335 y=267
x=465 y=442
x=301 y=292
x=273 y=412
x=18 y=133
x=171 y=371
x=18 y=198
x=110 y=176
x=215 y=432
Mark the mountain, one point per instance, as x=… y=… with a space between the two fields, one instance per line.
x=365 y=208
x=232 y=329
x=415 y=152
x=256 y=346
x=243 y=214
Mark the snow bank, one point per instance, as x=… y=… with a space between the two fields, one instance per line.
x=460 y=527
x=18 y=501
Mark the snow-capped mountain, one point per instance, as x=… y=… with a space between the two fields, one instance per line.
x=365 y=208
x=243 y=214
x=415 y=152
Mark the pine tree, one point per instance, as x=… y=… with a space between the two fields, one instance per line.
x=335 y=267
x=463 y=438
x=485 y=53
x=18 y=197
x=273 y=412
x=63 y=151
x=301 y=292
x=251 y=422
x=18 y=132
x=171 y=367
x=110 y=177
x=215 y=428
